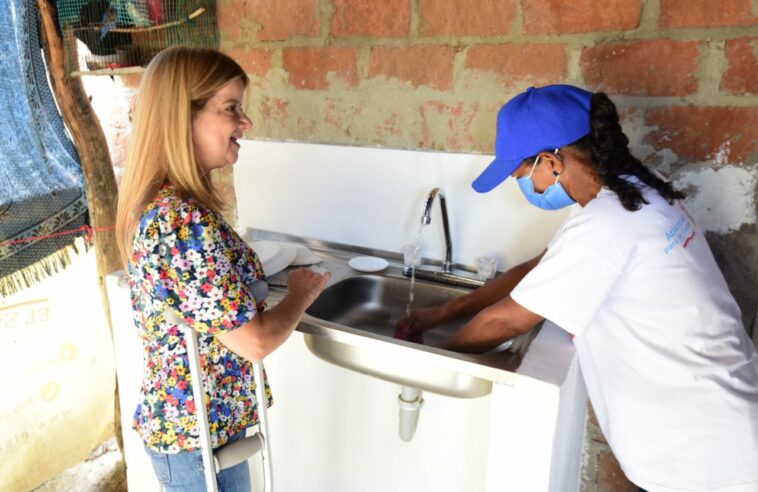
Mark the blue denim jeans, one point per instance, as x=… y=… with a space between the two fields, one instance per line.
x=183 y=472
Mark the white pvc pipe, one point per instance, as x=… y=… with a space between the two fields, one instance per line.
x=410 y=402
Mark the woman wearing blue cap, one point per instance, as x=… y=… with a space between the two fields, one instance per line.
x=669 y=368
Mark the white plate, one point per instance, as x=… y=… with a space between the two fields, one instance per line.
x=368 y=263
x=274 y=263
x=280 y=261
x=304 y=255
x=266 y=250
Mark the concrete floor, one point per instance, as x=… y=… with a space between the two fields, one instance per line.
x=102 y=471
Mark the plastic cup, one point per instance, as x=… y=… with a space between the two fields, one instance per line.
x=486 y=266
x=411 y=255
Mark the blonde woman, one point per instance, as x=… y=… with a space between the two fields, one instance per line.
x=181 y=254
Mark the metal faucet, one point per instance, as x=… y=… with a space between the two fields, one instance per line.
x=448 y=274
x=447 y=265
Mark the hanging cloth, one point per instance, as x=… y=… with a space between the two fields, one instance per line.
x=41 y=179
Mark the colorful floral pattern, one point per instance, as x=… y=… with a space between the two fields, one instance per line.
x=187 y=257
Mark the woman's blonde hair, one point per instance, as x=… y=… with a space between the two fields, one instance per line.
x=177 y=84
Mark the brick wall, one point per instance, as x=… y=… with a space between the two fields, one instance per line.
x=432 y=74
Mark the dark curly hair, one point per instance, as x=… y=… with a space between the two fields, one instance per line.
x=609 y=148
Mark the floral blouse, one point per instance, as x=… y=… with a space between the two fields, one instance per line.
x=186 y=257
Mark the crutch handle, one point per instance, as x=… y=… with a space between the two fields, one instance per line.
x=238 y=451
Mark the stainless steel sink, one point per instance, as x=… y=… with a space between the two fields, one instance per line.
x=352 y=323
x=375 y=303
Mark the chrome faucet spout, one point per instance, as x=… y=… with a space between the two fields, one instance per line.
x=426 y=218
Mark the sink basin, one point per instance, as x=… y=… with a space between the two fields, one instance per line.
x=369 y=306
x=375 y=303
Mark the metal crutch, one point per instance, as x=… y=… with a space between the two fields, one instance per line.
x=238 y=451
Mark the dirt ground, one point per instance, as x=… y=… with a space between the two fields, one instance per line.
x=102 y=471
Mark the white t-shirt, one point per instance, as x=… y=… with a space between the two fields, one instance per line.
x=671 y=372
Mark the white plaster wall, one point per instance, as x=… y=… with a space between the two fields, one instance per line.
x=374 y=197
x=721 y=199
x=721 y=196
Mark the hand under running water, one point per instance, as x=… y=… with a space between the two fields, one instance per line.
x=405 y=330
x=416 y=321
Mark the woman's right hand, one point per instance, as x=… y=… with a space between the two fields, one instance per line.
x=419 y=320
x=307 y=284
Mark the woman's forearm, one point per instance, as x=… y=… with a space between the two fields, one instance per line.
x=267 y=331
x=278 y=323
x=494 y=325
x=490 y=293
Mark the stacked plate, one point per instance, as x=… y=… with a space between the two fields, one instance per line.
x=368 y=263
x=275 y=256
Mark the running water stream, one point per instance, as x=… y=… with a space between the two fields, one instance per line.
x=413 y=259
x=410 y=292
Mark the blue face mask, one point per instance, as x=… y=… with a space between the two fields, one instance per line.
x=553 y=198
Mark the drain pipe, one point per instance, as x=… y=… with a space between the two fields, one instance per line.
x=410 y=402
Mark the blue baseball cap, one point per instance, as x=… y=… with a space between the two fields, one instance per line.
x=539 y=119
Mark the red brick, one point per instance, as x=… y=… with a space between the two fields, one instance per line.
x=274 y=108
x=742 y=75
x=385 y=18
x=253 y=61
x=700 y=133
x=308 y=67
x=229 y=15
x=460 y=17
x=284 y=19
x=610 y=477
x=560 y=16
x=278 y=19
x=536 y=63
x=421 y=65
x=705 y=13
x=447 y=127
x=393 y=126
x=655 y=68
x=340 y=115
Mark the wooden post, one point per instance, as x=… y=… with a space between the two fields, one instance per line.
x=99 y=179
x=82 y=122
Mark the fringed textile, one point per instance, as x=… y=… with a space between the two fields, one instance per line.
x=41 y=179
